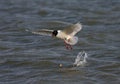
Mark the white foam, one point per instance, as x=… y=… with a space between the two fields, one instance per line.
x=80 y=60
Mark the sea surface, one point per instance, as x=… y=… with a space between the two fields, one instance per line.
x=26 y=58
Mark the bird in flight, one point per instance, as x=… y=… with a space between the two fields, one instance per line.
x=67 y=34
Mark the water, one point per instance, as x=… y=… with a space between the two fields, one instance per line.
x=26 y=58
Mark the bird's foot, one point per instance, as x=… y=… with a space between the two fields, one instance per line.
x=68 y=46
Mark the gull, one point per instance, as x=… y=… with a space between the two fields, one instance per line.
x=67 y=34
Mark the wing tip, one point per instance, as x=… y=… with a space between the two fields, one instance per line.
x=78 y=25
x=34 y=33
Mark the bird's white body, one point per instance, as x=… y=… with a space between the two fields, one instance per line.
x=62 y=35
x=72 y=40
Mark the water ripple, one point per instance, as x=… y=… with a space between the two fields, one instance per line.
x=27 y=58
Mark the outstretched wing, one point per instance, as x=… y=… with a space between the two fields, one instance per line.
x=73 y=29
x=43 y=32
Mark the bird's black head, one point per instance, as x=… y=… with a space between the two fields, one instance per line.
x=54 y=33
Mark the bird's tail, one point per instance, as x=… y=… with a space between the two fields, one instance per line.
x=73 y=40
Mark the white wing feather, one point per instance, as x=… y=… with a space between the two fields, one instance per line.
x=73 y=29
x=45 y=32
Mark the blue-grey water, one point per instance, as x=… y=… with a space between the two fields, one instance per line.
x=26 y=58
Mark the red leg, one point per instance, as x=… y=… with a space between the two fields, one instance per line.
x=68 y=46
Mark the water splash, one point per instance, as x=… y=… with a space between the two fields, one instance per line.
x=80 y=60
